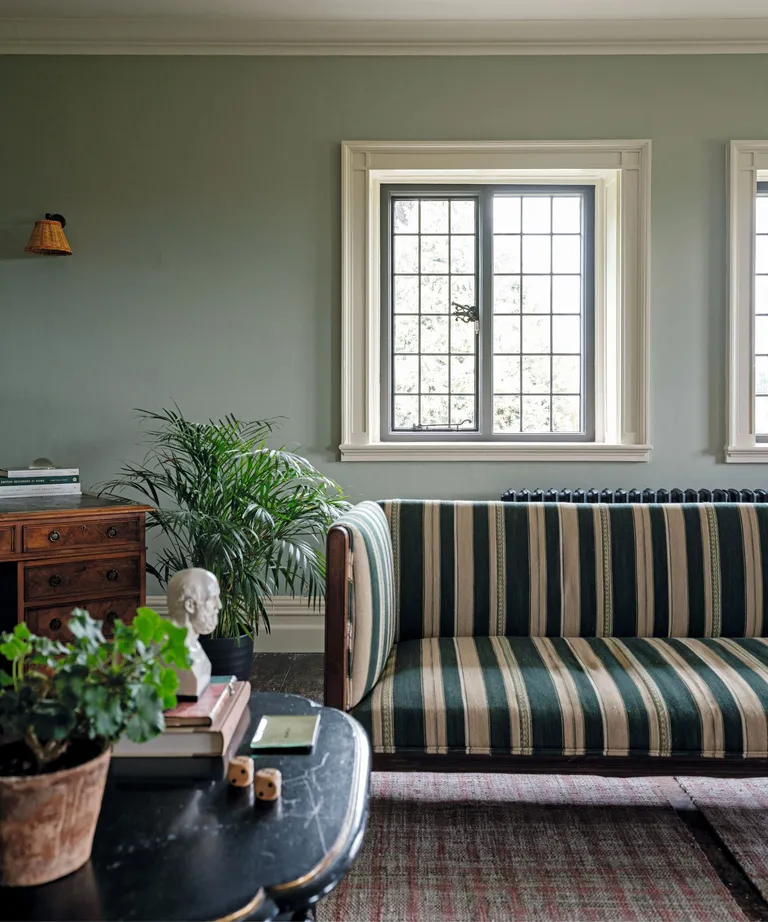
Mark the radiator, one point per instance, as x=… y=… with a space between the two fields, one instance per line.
x=635 y=496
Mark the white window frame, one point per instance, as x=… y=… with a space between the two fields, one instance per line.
x=620 y=172
x=747 y=165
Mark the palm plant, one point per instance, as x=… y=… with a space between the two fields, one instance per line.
x=225 y=501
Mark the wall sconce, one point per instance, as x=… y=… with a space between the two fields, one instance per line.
x=48 y=237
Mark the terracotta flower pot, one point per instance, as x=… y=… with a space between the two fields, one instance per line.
x=47 y=822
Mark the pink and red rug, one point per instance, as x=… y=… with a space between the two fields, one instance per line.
x=502 y=848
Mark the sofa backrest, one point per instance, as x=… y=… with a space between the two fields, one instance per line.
x=564 y=569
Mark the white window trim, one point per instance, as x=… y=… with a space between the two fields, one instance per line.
x=620 y=171
x=747 y=164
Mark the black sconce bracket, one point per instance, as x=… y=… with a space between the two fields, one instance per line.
x=56 y=217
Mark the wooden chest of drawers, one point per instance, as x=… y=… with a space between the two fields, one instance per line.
x=63 y=552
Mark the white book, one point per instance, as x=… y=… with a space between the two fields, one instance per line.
x=41 y=489
x=39 y=472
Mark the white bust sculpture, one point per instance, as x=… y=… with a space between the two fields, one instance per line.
x=194 y=602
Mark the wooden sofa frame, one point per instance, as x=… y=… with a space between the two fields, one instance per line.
x=336 y=653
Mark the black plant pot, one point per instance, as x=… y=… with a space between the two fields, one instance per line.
x=229 y=655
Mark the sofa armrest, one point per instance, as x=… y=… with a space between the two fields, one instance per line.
x=359 y=604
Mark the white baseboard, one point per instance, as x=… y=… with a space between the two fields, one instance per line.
x=295 y=627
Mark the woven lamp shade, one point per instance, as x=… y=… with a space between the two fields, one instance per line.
x=48 y=239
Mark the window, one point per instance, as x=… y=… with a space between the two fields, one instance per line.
x=495 y=300
x=747 y=393
x=488 y=312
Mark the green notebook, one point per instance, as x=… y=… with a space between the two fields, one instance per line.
x=279 y=733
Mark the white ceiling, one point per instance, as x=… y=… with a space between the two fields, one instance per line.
x=391 y=10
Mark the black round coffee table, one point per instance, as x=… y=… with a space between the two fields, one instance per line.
x=189 y=848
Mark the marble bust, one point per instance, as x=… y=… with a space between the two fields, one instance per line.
x=194 y=603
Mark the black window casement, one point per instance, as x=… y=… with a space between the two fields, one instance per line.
x=488 y=313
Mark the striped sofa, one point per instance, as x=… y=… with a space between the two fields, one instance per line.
x=626 y=639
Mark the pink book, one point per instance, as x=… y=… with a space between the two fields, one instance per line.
x=201 y=713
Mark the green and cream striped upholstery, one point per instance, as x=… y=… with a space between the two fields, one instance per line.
x=572 y=696
x=371 y=598
x=566 y=570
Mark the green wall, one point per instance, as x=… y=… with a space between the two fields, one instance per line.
x=202 y=199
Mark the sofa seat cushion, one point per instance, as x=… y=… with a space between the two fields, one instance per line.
x=572 y=696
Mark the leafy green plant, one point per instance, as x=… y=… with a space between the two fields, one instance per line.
x=92 y=688
x=225 y=501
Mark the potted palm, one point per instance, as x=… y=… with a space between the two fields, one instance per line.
x=226 y=501
x=61 y=708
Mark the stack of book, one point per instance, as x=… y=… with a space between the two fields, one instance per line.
x=205 y=727
x=33 y=481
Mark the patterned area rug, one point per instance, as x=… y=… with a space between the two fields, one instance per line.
x=738 y=811
x=468 y=848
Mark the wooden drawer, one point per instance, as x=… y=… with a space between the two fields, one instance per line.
x=6 y=539
x=103 y=577
x=92 y=533
x=53 y=622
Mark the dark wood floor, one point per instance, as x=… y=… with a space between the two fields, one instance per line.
x=302 y=674
x=297 y=673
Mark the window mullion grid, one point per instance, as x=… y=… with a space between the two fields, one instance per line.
x=484 y=297
x=418 y=354
x=551 y=305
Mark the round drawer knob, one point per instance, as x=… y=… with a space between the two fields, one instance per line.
x=55 y=580
x=112 y=574
x=53 y=536
x=55 y=624
x=112 y=532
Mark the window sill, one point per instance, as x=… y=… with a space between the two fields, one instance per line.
x=754 y=454
x=496 y=451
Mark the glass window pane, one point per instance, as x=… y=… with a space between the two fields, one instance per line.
x=406 y=412
x=434 y=254
x=434 y=217
x=434 y=334
x=462 y=254
x=566 y=253
x=506 y=214
x=406 y=374
x=506 y=254
x=506 y=294
x=434 y=411
x=463 y=412
x=506 y=374
x=537 y=214
x=761 y=374
x=535 y=414
x=462 y=217
x=434 y=374
x=406 y=254
x=536 y=293
x=506 y=414
x=761 y=254
x=536 y=253
x=761 y=214
x=506 y=334
x=536 y=377
x=566 y=214
x=761 y=335
x=406 y=217
x=761 y=415
x=463 y=336
x=761 y=294
x=434 y=294
x=406 y=294
x=536 y=336
x=406 y=338
x=566 y=374
x=463 y=291
x=566 y=294
x=463 y=374
x=566 y=334
x=566 y=413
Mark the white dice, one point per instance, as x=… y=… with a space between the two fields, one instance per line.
x=267 y=783
x=240 y=772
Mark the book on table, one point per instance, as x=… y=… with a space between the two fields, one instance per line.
x=202 y=712
x=49 y=473
x=194 y=741
x=10 y=489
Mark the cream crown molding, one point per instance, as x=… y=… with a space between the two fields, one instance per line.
x=236 y=36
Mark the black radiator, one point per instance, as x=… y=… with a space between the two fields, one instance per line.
x=635 y=496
